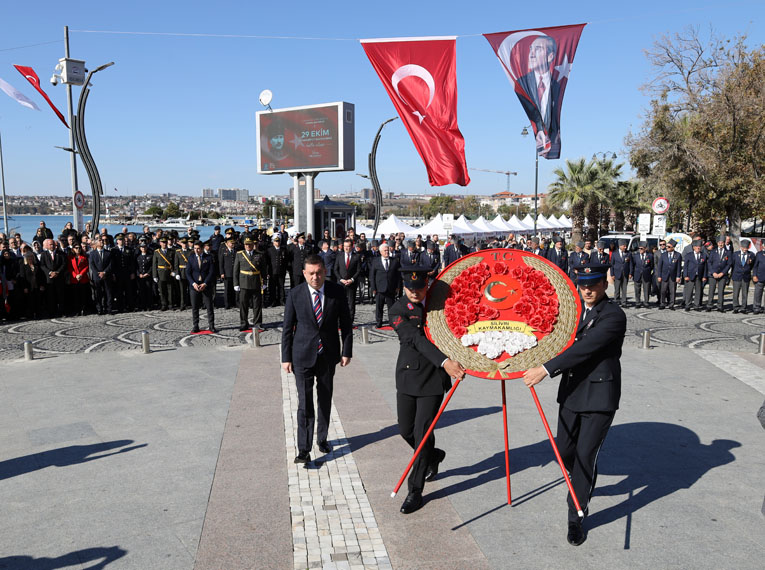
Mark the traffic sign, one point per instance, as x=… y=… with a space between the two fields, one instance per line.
x=448 y=221
x=644 y=223
x=79 y=200
x=660 y=205
x=659 y=225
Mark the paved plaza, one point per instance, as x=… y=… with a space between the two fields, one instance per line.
x=182 y=458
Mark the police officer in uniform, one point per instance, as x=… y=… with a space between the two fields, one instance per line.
x=423 y=374
x=143 y=270
x=226 y=257
x=249 y=271
x=589 y=389
x=277 y=257
x=181 y=261
x=162 y=270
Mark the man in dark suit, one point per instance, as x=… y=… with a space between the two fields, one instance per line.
x=543 y=96
x=277 y=258
x=123 y=269
x=741 y=275
x=694 y=276
x=589 y=390
x=429 y=259
x=719 y=263
x=311 y=349
x=577 y=257
x=758 y=277
x=100 y=261
x=226 y=256
x=386 y=282
x=621 y=269
x=409 y=256
x=297 y=254
x=328 y=256
x=53 y=265
x=668 y=275
x=347 y=270
x=534 y=247
x=558 y=255
x=423 y=374
x=454 y=250
x=642 y=275
x=200 y=274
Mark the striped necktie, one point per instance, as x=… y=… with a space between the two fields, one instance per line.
x=318 y=313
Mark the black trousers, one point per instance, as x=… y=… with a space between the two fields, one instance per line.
x=229 y=295
x=184 y=290
x=415 y=414
x=323 y=372
x=124 y=291
x=580 y=436
x=199 y=298
x=350 y=293
x=276 y=289
x=145 y=293
x=380 y=299
x=250 y=298
x=103 y=294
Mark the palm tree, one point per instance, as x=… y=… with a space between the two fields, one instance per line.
x=608 y=175
x=576 y=186
x=626 y=202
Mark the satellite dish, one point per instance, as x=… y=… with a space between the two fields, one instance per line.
x=265 y=97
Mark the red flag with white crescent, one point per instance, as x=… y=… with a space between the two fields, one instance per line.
x=538 y=63
x=31 y=76
x=420 y=76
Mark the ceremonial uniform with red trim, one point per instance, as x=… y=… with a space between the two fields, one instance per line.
x=421 y=383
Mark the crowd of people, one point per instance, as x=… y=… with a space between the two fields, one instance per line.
x=85 y=272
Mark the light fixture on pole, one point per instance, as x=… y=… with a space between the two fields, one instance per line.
x=525 y=133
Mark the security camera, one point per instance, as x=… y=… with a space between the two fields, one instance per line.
x=54 y=80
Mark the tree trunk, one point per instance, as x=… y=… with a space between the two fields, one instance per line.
x=577 y=222
x=619 y=221
x=593 y=221
x=734 y=221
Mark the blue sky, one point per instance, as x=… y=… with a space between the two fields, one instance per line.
x=176 y=114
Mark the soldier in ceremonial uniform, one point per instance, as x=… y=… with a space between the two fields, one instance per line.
x=162 y=269
x=250 y=268
x=226 y=255
x=143 y=273
x=589 y=390
x=181 y=261
x=123 y=269
x=200 y=275
x=423 y=375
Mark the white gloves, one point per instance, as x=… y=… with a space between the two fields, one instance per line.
x=178 y=277
x=237 y=288
x=156 y=280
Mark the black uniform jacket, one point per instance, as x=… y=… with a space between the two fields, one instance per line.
x=418 y=368
x=592 y=374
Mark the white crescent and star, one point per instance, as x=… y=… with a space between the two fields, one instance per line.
x=414 y=70
x=491 y=298
x=507 y=45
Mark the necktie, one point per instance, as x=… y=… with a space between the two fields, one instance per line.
x=385 y=264
x=720 y=254
x=347 y=261
x=540 y=91
x=586 y=312
x=318 y=313
x=743 y=257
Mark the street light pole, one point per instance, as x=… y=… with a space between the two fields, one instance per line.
x=524 y=133
x=72 y=154
x=2 y=178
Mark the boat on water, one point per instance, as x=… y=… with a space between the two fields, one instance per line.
x=174 y=224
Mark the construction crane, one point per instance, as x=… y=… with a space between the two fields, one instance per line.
x=505 y=172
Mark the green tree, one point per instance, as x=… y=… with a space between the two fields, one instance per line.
x=702 y=143
x=438 y=205
x=576 y=186
x=599 y=211
x=172 y=211
x=154 y=211
x=469 y=206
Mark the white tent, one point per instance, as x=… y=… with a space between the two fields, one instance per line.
x=528 y=222
x=464 y=228
x=362 y=229
x=394 y=225
x=434 y=226
x=488 y=228
x=565 y=221
x=500 y=222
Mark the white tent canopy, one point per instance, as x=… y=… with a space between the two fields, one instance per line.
x=543 y=224
x=528 y=222
x=500 y=222
x=565 y=221
x=464 y=228
x=434 y=226
x=362 y=229
x=487 y=227
x=395 y=225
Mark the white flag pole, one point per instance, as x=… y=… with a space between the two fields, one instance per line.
x=2 y=178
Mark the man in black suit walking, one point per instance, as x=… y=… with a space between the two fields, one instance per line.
x=200 y=275
x=385 y=280
x=589 y=390
x=347 y=271
x=311 y=349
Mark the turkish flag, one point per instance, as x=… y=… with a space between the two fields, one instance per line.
x=420 y=76
x=31 y=76
x=538 y=62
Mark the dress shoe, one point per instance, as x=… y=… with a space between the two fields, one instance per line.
x=661 y=308
x=439 y=455
x=720 y=310
x=195 y=330
x=412 y=502
x=576 y=534
x=671 y=308
x=244 y=328
x=745 y=311
x=709 y=309
x=687 y=309
x=213 y=330
x=303 y=457
x=735 y=311
x=325 y=447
